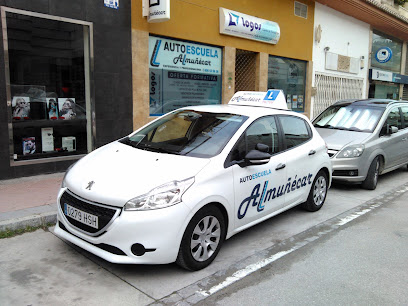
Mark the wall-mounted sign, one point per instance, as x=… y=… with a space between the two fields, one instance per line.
x=112 y=4
x=182 y=74
x=249 y=27
x=159 y=11
x=388 y=76
x=383 y=55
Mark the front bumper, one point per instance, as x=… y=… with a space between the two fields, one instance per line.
x=158 y=231
x=343 y=168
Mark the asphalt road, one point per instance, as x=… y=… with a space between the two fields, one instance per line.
x=294 y=258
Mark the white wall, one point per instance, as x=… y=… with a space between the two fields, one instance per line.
x=344 y=35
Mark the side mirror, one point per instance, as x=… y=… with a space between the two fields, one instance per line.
x=259 y=156
x=391 y=129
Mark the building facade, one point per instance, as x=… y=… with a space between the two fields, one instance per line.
x=208 y=50
x=360 y=51
x=65 y=82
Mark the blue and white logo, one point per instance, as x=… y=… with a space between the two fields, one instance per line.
x=156 y=49
x=383 y=55
x=233 y=19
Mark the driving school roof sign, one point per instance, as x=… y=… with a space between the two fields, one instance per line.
x=273 y=98
x=249 y=27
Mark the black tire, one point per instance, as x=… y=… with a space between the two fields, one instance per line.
x=318 y=192
x=371 y=180
x=198 y=250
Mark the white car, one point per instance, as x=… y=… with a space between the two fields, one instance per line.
x=175 y=189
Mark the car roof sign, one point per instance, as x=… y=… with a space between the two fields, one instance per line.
x=273 y=98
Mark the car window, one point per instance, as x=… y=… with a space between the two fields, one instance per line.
x=262 y=131
x=295 y=130
x=394 y=118
x=188 y=132
x=349 y=117
x=404 y=111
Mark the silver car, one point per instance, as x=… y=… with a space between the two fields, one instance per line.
x=365 y=138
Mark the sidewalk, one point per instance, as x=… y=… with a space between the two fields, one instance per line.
x=29 y=201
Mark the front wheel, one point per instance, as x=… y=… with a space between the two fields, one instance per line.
x=202 y=239
x=371 y=180
x=318 y=192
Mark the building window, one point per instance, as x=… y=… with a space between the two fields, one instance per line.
x=386 y=52
x=48 y=92
x=290 y=76
x=182 y=74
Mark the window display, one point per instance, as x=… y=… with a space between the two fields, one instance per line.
x=386 y=52
x=49 y=101
x=290 y=76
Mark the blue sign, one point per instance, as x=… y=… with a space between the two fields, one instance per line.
x=112 y=4
x=271 y=95
x=383 y=55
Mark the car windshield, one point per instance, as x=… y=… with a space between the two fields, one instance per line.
x=349 y=117
x=187 y=132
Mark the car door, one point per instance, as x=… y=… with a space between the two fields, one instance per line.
x=393 y=144
x=302 y=158
x=258 y=187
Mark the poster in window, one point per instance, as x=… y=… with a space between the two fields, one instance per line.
x=47 y=139
x=52 y=108
x=21 y=107
x=69 y=143
x=300 y=101
x=293 y=73
x=66 y=108
x=289 y=101
x=294 y=101
x=28 y=145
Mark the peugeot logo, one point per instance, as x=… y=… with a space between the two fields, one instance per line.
x=90 y=184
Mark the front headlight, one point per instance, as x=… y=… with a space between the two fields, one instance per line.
x=163 y=196
x=351 y=151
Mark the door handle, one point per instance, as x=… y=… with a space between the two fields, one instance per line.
x=280 y=166
x=404 y=139
x=312 y=152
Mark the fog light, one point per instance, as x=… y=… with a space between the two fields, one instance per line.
x=138 y=249
x=351 y=173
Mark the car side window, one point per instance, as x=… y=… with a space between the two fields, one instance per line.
x=295 y=129
x=394 y=118
x=404 y=111
x=264 y=131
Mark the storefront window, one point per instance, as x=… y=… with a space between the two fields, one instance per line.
x=182 y=74
x=383 y=91
x=290 y=76
x=48 y=88
x=386 y=53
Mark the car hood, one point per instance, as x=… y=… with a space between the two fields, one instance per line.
x=120 y=172
x=337 y=139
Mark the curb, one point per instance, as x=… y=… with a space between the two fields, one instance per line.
x=33 y=221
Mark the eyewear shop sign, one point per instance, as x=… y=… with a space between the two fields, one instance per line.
x=182 y=74
x=249 y=27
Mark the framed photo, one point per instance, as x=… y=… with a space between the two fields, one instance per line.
x=52 y=108
x=66 y=108
x=21 y=107
x=47 y=139
x=69 y=143
x=28 y=145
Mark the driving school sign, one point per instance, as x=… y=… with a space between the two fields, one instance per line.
x=249 y=27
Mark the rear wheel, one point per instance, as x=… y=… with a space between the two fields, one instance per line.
x=202 y=239
x=371 y=180
x=318 y=192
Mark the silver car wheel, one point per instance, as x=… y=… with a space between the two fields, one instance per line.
x=205 y=238
x=319 y=191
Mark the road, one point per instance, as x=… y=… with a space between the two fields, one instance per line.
x=322 y=255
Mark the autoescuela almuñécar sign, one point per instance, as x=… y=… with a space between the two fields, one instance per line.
x=249 y=27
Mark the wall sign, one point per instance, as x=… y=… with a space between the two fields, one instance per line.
x=249 y=27
x=383 y=55
x=388 y=76
x=159 y=11
x=183 y=74
x=112 y=4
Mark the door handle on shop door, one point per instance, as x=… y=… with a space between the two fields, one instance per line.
x=280 y=166
x=312 y=152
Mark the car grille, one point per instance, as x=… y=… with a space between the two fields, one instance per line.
x=104 y=213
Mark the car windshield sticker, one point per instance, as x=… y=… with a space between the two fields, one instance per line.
x=268 y=195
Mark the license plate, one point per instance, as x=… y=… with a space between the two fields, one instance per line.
x=81 y=216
